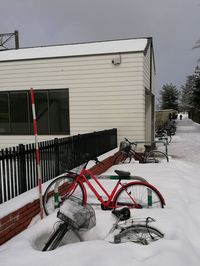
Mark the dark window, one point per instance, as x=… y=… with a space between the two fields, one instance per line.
x=4 y=113
x=19 y=113
x=52 y=112
x=59 y=112
x=41 y=109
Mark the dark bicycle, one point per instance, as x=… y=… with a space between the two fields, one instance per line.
x=128 y=152
x=74 y=218
x=77 y=218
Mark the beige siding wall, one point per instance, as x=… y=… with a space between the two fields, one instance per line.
x=149 y=84
x=147 y=71
x=102 y=95
x=147 y=68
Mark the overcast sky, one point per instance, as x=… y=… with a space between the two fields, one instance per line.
x=173 y=24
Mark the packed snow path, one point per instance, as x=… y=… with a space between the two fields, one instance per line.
x=186 y=143
x=178 y=181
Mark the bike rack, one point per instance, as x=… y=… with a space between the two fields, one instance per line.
x=164 y=142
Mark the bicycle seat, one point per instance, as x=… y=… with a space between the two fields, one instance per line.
x=123 y=214
x=147 y=146
x=150 y=147
x=122 y=173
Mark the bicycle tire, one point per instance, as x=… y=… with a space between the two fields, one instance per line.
x=122 y=157
x=55 y=239
x=61 y=189
x=139 y=195
x=126 y=159
x=140 y=234
x=155 y=156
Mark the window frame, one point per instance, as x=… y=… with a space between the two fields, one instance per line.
x=29 y=112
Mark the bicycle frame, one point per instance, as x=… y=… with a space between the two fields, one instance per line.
x=81 y=178
x=136 y=155
x=132 y=152
x=133 y=194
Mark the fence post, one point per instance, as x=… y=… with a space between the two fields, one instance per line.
x=22 y=169
x=56 y=157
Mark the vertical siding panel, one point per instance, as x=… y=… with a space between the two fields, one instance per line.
x=102 y=95
x=147 y=69
x=149 y=76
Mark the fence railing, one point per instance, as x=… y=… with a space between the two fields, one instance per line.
x=18 y=171
x=194 y=115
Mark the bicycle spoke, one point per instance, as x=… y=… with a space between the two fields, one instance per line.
x=60 y=190
x=139 y=234
x=138 y=195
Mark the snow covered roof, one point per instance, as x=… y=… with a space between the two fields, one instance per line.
x=104 y=47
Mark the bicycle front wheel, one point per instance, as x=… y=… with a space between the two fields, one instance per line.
x=55 y=239
x=59 y=190
x=127 y=158
x=140 y=234
x=122 y=157
x=63 y=235
x=139 y=195
x=156 y=157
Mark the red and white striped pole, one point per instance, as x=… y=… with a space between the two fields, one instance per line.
x=37 y=152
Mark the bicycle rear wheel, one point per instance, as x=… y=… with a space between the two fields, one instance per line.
x=140 y=234
x=139 y=195
x=59 y=190
x=156 y=157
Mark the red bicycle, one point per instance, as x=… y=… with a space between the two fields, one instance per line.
x=134 y=194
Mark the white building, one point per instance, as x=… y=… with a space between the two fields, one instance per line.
x=79 y=88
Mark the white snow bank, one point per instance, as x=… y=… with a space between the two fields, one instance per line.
x=179 y=183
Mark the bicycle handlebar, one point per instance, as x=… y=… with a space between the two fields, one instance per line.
x=67 y=219
x=131 y=143
x=97 y=162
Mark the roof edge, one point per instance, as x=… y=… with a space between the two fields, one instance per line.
x=76 y=49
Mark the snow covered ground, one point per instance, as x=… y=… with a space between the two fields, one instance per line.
x=179 y=183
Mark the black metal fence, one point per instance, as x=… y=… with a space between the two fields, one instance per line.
x=194 y=115
x=18 y=171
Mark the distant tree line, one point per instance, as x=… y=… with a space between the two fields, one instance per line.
x=169 y=97
x=190 y=92
x=186 y=98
